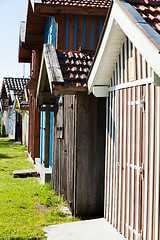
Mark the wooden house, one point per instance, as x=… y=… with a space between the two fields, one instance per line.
x=21 y=105
x=67 y=112
x=126 y=70
x=11 y=120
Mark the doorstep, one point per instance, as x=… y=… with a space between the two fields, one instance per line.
x=45 y=173
x=96 y=229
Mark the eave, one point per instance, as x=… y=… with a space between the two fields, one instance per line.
x=31 y=34
x=123 y=21
x=50 y=10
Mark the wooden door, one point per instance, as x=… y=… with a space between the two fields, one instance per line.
x=124 y=164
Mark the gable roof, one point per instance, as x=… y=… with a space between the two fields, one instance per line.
x=63 y=71
x=123 y=20
x=14 y=86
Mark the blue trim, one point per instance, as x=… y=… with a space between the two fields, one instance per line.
x=100 y=27
x=75 y=33
x=67 y=30
x=84 y=32
x=46 y=33
x=92 y=32
x=51 y=139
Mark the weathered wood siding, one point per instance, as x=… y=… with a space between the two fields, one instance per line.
x=76 y=31
x=78 y=156
x=132 y=178
x=34 y=128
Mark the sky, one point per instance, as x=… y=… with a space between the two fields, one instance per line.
x=12 y=12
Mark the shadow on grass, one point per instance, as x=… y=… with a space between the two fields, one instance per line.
x=4 y=156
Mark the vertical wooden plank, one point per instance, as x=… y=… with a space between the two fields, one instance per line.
x=80 y=32
x=88 y=32
x=67 y=32
x=92 y=32
x=122 y=67
x=109 y=161
x=75 y=32
x=133 y=161
x=117 y=156
x=111 y=170
x=120 y=162
x=126 y=61
x=138 y=161
x=146 y=162
x=157 y=217
x=106 y=159
x=84 y=32
x=150 y=230
x=125 y=160
x=96 y=31
x=62 y=36
x=71 y=32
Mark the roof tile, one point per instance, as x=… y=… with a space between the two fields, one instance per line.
x=75 y=66
x=80 y=3
x=149 y=10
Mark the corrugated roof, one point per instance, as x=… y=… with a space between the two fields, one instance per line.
x=75 y=66
x=80 y=3
x=149 y=10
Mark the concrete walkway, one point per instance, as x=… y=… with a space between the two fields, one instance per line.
x=97 y=229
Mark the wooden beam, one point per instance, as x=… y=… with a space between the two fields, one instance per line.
x=47 y=95
x=45 y=109
x=50 y=9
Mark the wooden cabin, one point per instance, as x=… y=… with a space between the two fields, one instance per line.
x=11 y=120
x=21 y=105
x=68 y=154
x=78 y=129
x=126 y=70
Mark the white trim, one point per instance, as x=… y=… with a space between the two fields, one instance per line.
x=132 y=84
x=123 y=21
x=100 y=91
x=33 y=3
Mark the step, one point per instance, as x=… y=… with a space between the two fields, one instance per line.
x=25 y=173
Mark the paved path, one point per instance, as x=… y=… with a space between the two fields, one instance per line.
x=97 y=229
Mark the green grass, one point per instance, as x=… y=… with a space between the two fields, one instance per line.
x=25 y=205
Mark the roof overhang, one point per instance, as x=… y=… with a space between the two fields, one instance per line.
x=51 y=9
x=31 y=35
x=123 y=21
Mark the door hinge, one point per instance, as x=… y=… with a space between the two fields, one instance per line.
x=139 y=235
x=139 y=169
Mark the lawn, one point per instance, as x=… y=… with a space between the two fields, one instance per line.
x=26 y=206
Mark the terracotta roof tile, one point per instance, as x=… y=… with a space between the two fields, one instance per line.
x=15 y=84
x=149 y=10
x=75 y=66
x=80 y=3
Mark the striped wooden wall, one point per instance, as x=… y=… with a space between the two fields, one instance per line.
x=76 y=31
x=132 y=177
